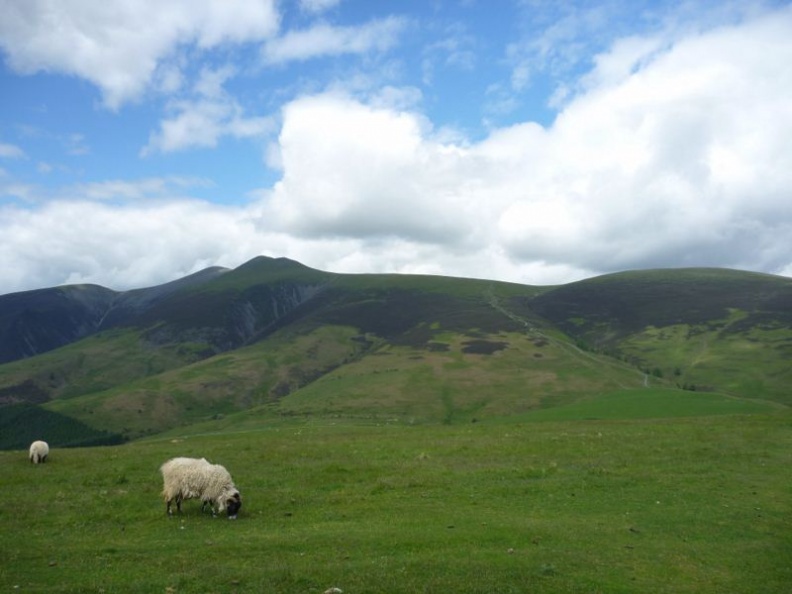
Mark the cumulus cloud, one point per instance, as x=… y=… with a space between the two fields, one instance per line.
x=350 y=170
x=120 y=246
x=680 y=157
x=670 y=153
x=328 y=40
x=119 y=45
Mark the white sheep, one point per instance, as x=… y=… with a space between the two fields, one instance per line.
x=39 y=450
x=191 y=478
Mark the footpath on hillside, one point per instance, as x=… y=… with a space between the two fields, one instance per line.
x=593 y=361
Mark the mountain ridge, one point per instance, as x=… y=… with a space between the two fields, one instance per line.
x=76 y=311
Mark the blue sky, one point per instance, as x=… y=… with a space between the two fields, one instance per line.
x=524 y=140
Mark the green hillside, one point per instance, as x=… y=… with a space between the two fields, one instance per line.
x=698 y=329
x=282 y=340
x=21 y=424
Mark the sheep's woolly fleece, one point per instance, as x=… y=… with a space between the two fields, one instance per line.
x=39 y=450
x=189 y=478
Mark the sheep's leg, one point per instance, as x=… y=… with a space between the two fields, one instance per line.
x=168 y=503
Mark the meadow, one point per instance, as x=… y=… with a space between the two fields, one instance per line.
x=683 y=504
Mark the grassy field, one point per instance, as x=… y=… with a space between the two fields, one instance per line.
x=695 y=504
x=652 y=403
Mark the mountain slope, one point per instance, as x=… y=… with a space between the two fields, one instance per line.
x=284 y=339
x=626 y=302
x=35 y=322
x=700 y=328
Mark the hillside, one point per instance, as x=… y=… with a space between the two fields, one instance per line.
x=700 y=328
x=280 y=340
x=35 y=322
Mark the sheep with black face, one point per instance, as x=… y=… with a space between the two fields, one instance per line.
x=197 y=478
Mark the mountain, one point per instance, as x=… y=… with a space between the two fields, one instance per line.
x=704 y=328
x=278 y=339
x=34 y=322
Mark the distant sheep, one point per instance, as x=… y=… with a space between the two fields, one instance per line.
x=193 y=478
x=39 y=450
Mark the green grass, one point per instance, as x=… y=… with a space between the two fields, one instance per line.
x=650 y=403
x=451 y=386
x=686 y=505
x=21 y=424
x=96 y=363
x=754 y=363
x=723 y=330
x=335 y=371
x=216 y=386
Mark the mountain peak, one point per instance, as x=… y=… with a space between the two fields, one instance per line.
x=278 y=263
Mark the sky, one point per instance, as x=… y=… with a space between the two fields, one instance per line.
x=531 y=141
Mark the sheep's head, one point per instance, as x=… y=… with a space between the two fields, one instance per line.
x=233 y=503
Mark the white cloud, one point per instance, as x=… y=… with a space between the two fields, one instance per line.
x=119 y=45
x=121 y=247
x=149 y=188
x=328 y=40
x=355 y=171
x=10 y=151
x=558 y=37
x=682 y=160
x=317 y=6
x=76 y=145
x=456 y=50
x=202 y=121
x=677 y=154
x=15 y=191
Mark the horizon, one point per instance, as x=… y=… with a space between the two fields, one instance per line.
x=472 y=278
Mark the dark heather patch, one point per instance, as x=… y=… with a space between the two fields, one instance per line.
x=483 y=347
x=437 y=347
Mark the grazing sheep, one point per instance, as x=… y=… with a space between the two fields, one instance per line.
x=191 y=478
x=39 y=450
